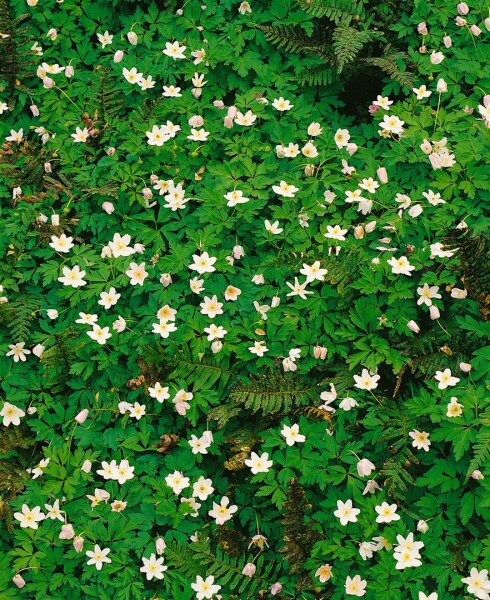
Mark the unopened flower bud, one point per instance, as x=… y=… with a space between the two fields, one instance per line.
x=462 y=8
x=111 y=151
x=197 y=92
x=18 y=579
x=47 y=167
x=108 y=207
x=434 y=312
x=436 y=58
x=448 y=42
x=196 y=121
x=486 y=101
x=67 y=532
x=153 y=178
x=477 y=475
x=219 y=104
x=358 y=232
x=147 y=193
x=422 y=526
x=55 y=220
x=48 y=82
x=275 y=301
x=238 y=252
x=216 y=346
x=475 y=30
x=52 y=34
x=160 y=545
x=38 y=350
x=82 y=416
x=465 y=367
x=34 y=110
x=249 y=570
x=370 y=226
x=232 y=112
x=78 y=543
x=276 y=588
x=460 y=22
x=487 y=23
x=441 y=86
x=412 y=325
x=382 y=174
x=118 y=56
x=69 y=71
x=32 y=410
x=132 y=38
x=87 y=466
x=309 y=170
x=422 y=29
x=228 y=122
x=365 y=467
x=320 y=352
x=423 y=49
x=166 y=279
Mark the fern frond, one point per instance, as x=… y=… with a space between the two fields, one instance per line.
x=18 y=316
x=481 y=448
x=389 y=65
x=293 y=38
x=319 y=75
x=348 y=42
x=106 y=101
x=339 y=11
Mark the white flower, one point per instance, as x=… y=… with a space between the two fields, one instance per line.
x=445 y=379
x=15 y=136
x=259 y=464
x=313 y=272
x=365 y=467
x=158 y=392
x=199 y=445
x=355 y=586
x=132 y=76
x=400 y=266
x=177 y=482
x=346 y=512
x=137 y=411
x=11 y=414
x=198 y=135
x=336 y=233
x=324 y=573
x=164 y=328
x=157 y=137
x=211 y=307
x=119 y=245
x=202 y=488
x=174 y=50
x=87 y=319
x=366 y=381
x=18 y=352
x=383 y=102
x=98 y=557
x=72 y=277
x=222 y=512
x=454 y=408
x=292 y=434
x=171 y=91
x=367 y=549
x=108 y=299
x=420 y=439
x=203 y=263
x=119 y=324
x=281 y=104
x=235 y=197
x=205 y=588
x=478 y=583
x=284 y=189
x=273 y=228
x=215 y=332
x=62 y=243
x=246 y=119
x=99 y=334
x=242 y=9
x=29 y=518
x=314 y=129
x=153 y=567
x=348 y=403
x=433 y=198
x=124 y=472
x=54 y=511
x=426 y=293
x=105 y=39
x=341 y=138
x=137 y=273
x=392 y=124
x=386 y=513
x=432 y=596
x=258 y=348
x=422 y=92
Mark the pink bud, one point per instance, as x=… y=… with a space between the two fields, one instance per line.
x=422 y=29
x=78 y=543
x=111 y=151
x=477 y=475
x=487 y=23
x=69 y=71
x=118 y=56
x=232 y=112
x=249 y=570
x=196 y=121
x=468 y=110
x=216 y=346
x=147 y=193
x=358 y=232
x=160 y=545
x=228 y=122
x=382 y=175
x=34 y=110
x=47 y=167
x=48 y=82
x=166 y=279
x=412 y=325
x=475 y=30
x=370 y=226
x=87 y=466
x=238 y=252
x=465 y=367
x=320 y=352
x=460 y=22
x=448 y=42
x=108 y=207
x=132 y=38
x=436 y=58
x=82 y=416
x=67 y=532
x=434 y=312
x=441 y=86
x=422 y=526
x=19 y=581
x=365 y=467
x=197 y=92
x=219 y=104
x=486 y=101
x=153 y=178
x=276 y=588
x=462 y=8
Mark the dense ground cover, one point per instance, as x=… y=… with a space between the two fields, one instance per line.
x=244 y=327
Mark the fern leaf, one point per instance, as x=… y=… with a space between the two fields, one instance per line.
x=339 y=11
x=348 y=42
x=388 y=63
x=18 y=316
